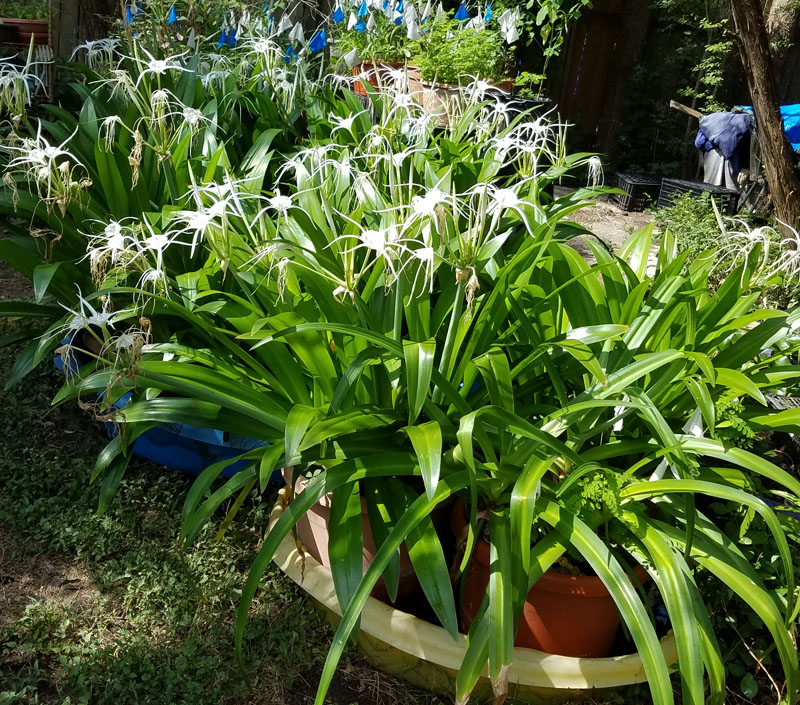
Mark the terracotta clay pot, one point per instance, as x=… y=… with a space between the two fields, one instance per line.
x=368 y=69
x=312 y=530
x=566 y=615
x=26 y=29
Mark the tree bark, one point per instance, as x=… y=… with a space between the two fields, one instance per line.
x=751 y=35
x=782 y=21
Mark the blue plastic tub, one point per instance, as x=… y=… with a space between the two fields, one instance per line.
x=182 y=447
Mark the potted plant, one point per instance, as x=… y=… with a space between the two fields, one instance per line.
x=453 y=346
x=451 y=55
x=399 y=315
x=383 y=45
x=27 y=19
x=527 y=89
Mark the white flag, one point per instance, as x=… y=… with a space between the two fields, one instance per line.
x=371 y=23
x=413 y=30
x=351 y=58
x=285 y=24
x=296 y=35
x=352 y=22
x=191 y=41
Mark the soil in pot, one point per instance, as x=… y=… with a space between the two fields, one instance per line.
x=312 y=531
x=568 y=615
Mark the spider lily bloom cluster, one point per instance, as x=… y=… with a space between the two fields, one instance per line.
x=18 y=84
x=55 y=173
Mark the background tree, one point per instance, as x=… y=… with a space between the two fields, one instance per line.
x=754 y=49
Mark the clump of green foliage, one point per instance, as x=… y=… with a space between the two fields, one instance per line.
x=448 y=51
x=24 y=9
x=387 y=42
x=693 y=222
x=529 y=85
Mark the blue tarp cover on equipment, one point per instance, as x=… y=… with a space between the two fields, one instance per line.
x=791 y=122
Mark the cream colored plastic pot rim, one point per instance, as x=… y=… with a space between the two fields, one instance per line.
x=421 y=639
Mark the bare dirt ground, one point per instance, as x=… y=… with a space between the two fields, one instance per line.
x=27 y=574
x=609 y=223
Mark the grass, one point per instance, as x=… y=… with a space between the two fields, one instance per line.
x=109 y=609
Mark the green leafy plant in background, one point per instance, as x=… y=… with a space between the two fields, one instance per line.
x=386 y=42
x=529 y=85
x=449 y=51
x=24 y=9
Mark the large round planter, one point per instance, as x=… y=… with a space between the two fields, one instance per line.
x=425 y=654
x=435 y=98
x=25 y=29
x=313 y=533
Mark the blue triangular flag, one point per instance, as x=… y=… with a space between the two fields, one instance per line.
x=232 y=38
x=318 y=41
x=401 y=7
x=128 y=16
x=223 y=38
x=360 y=27
x=266 y=7
x=139 y=8
x=338 y=15
x=488 y=14
x=362 y=9
x=173 y=16
x=462 y=14
x=290 y=54
x=385 y=4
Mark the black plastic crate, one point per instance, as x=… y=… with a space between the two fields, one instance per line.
x=640 y=191
x=726 y=199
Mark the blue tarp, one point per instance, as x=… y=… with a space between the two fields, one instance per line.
x=791 y=122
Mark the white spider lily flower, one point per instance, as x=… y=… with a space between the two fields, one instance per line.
x=88 y=316
x=385 y=244
x=425 y=256
x=425 y=206
x=113 y=242
x=99 y=52
x=15 y=88
x=193 y=117
x=197 y=222
x=343 y=123
x=51 y=168
x=108 y=129
x=596 y=176
x=158 y=67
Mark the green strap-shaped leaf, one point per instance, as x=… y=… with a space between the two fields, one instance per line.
x=298 y=420
x=419 y=358
x=427 y=441
x=496 y=374
x=346 y=542
x=415 y=514
x=675 y=588
x=500 y=613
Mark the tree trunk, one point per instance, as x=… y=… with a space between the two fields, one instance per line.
x=782 y=21
x=751 y=35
